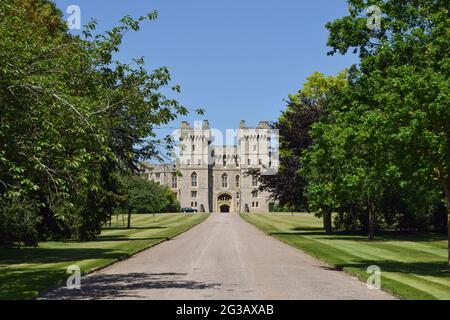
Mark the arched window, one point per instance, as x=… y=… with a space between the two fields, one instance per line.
x=194 y=179
x=237 y=181
x=224 y=180
x=174 y=181
x=255 y=181
x=224 y=197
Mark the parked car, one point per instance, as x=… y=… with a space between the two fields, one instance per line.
x=189 y=210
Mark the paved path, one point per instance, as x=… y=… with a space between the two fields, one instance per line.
x=222 y=258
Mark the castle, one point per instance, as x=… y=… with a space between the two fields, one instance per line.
x=214 y=178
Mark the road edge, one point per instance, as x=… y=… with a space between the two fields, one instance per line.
x=397 y=297
x=120 y=259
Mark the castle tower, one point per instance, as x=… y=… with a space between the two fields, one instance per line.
x=215 y=178
x=194 y=166
x=253 y=145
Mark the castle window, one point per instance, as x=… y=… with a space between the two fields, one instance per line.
x=193 y=147
x=158 y=175
x=224 y=160
x=174 y=181
x=224 y=180
x=224 y=197
x=194 y=194
x=249 y=162
x=194 y=179
x=255 y=194
x=237 y=181
x=254 y=181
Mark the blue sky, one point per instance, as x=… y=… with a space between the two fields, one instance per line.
x=236 y=59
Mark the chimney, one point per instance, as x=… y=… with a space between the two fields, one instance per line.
x=263 y=125
x=184 y=125
x=197 y=124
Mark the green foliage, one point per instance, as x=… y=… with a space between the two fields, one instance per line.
x=72 y=116
x=18 y=223
x=142 y=196
x=304 y=109
x=380 y=158
x=276 y=207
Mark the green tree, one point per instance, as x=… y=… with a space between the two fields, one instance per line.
x=304 y=109
x=402 y=84
x=73 y=116
x=141 y=196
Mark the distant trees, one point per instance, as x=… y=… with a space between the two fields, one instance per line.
x=71 y=118
x=139 y=195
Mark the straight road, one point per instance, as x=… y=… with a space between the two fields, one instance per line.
x=221 y=259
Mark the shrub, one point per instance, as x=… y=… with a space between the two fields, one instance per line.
x=18 y=223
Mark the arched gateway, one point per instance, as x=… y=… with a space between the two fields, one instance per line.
x=224 y=202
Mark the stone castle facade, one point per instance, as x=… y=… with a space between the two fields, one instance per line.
x=213 y=178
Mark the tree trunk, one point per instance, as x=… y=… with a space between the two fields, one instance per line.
x=371 y=220
x=129 y=219
x=447 y=195
x=448 y=230
x=327 y=223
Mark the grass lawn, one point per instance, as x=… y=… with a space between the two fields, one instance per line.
x=412 y=267
x=24 y=272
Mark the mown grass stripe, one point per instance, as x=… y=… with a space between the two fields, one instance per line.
x=25 y=272
x=413 y=266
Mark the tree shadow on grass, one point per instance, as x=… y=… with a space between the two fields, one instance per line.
x=133 y=228
x=125 y=238
x=307 y=229
x=132 y=285
x=323 y=235
x=358 y=236
x=25 y=283
x=54 y=255
x=434 y=269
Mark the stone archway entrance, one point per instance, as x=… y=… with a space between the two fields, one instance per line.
x=224 y=202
